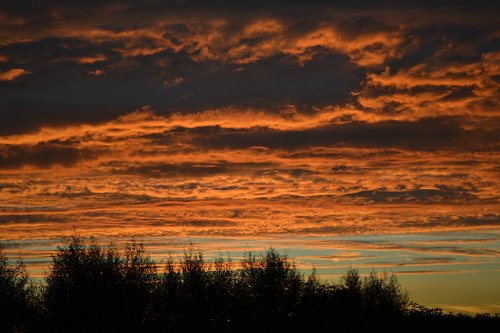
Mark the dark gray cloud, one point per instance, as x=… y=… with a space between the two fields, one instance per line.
x=41 y=155
x=193 y=169
x=342 y=168
x=425 y=196
x=431 y=247
x=63 y=93
x=444 y=133
x=427 y=261
x=325 y=80
x=60 y=91
x=270 y=83
x=74 y=6
x=29 y=116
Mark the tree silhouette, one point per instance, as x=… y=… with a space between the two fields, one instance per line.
x=273 y=286
x=383 y=296
x=17 y=296
x=94 y=289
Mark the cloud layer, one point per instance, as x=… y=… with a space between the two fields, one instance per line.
x=236 y=122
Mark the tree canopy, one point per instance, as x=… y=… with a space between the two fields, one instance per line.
x=91 y=288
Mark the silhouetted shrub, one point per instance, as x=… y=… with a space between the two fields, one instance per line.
x=383 y=296
x=94 y=289
x=272 y=286
x=165 y=306
x=420 y=318
x=137 y=285
x=16 y=297
x=196 y=295
x=350 y=291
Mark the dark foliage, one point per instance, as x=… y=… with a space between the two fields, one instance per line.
x=17 y=297
x=94 y=289
x=91 y=289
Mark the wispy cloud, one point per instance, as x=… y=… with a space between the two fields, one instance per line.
x=13 y=74
x=233 y=122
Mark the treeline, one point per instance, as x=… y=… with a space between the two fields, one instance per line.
x=90 y=288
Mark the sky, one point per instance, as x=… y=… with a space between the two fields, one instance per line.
x=354 y=133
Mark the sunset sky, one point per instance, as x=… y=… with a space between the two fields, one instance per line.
x=358 y=133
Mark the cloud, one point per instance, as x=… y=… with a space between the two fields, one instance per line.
x=13 y=74
x=394 y=61
x=415 y=196
x=341 y=168
x=186 y=169
x=42 y=155
x=97 y=72
x=462 y=86
x=39 y=115
x=433 y=134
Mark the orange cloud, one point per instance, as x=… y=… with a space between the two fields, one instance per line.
x=210 y=39
x=355 y=47
x=91 y=59
x=430 y=89
x=97 y=72
x=13 y=74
